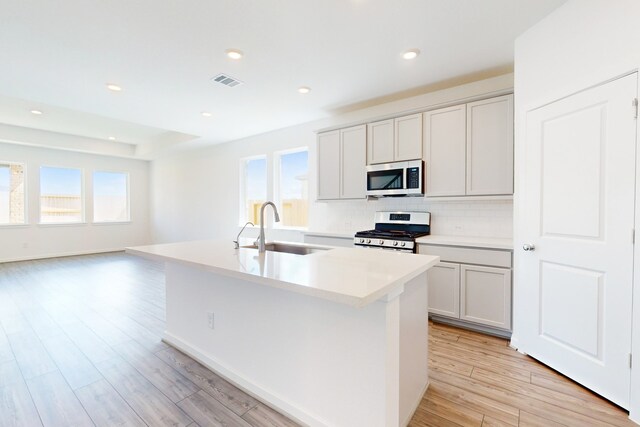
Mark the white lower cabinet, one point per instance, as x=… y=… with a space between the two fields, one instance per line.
x=468 y=293
x=485 y=295
x=444 y=289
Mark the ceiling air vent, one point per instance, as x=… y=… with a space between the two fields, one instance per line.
x=226 y=80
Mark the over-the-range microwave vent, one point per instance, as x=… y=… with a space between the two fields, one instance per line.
x=226 y=80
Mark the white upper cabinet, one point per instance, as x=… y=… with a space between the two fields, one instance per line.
x=353 y=164
x=445 y=140
x=395 y=140
x=469 y=149
x=342 y=163
x=408 y=137
x=380 y=142
x=329 y=165
x=490 y=146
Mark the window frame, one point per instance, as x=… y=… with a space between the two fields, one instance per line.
x=93 y=198
x=242 y=199
x=83 y=219
x=277 y=199
x=25 y=201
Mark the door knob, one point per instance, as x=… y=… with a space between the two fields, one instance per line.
x=528 y=247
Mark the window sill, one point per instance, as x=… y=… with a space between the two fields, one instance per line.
x=61 y=224
x=7 y=226
x=112 y=223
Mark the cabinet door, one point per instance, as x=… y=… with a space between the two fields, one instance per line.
x=329 y=165
x=444 y=148
x=380 y=142
x=485 y=295
x=353 y=165
x=444 y=289
x=408 y=137
x=490 y=146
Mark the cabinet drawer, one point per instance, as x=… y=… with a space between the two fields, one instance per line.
x=491 y=257
x=329 y=240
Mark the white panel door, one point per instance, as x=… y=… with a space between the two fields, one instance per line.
x=445 y=142
x=444 y=289
x=380 y=142
x=578 y=203
x=329 y=165
x=408 y=144
x=490 y=146
x=485 y=295
x=353 y=146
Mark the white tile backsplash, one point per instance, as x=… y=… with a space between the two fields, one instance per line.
x=482 y=218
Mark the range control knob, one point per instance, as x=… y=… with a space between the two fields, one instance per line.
x=361 y=240
x=368 y=241
x=403 y=244
x=381 y=242
x=395 y=243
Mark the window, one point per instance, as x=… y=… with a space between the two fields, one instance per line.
x=60 y=195
x=12 y=193
x=110 y=197
x=254 y=188
x=292 y=188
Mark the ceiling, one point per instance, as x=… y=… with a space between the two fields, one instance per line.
x=58 y=56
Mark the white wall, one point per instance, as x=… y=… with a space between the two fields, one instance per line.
x=35 y=241
x=195 y=195
x=581 y=44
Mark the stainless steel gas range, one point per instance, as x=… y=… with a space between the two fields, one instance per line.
x=395 y=231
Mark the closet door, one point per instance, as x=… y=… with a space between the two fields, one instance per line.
x=574 y=265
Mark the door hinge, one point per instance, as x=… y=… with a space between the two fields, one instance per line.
x=633 y=236
x=635 y=107
x=630 y=360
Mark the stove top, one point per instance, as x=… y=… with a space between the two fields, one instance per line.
x=392 y=234
x=395 y=230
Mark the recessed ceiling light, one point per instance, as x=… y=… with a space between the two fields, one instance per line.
x=234 y=53
x=304 y=89
x=113 y=87
x=112 y=138
x=36 y=112
x=206 y=114
x=411 y=54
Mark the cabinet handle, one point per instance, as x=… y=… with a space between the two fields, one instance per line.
x=528 y=247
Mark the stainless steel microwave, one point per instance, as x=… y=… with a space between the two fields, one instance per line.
x=396 y=179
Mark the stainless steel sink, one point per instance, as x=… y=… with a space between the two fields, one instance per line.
x=289 y=248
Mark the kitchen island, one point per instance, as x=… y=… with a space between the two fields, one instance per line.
x=337 y=337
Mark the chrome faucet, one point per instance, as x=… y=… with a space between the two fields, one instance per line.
x=235 y=242
x=260 y=241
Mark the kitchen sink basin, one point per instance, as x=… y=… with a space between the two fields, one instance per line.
x=289 y=248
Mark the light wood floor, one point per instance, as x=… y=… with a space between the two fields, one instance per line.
x=80 y=345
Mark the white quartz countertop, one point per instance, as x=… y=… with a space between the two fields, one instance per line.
x=472 y=242
x=351 y=276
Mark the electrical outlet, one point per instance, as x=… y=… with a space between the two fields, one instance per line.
x=210 y=319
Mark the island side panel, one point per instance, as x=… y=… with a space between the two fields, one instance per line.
x=321 y=362
x=414 y=350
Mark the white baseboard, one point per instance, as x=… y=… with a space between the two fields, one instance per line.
x=60 y=255
x=269 y=398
